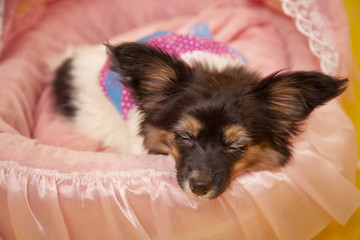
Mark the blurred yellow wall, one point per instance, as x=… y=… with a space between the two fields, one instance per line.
x=351 y=103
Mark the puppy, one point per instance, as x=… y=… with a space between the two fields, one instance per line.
x=215 y=116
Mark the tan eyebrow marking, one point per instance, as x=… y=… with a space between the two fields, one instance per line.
x=191 y=125
x=235 y=133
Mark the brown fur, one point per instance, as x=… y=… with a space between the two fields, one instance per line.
x=190 y=125
x=235 y=133
x=250 y=160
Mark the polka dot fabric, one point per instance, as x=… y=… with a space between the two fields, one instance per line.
x=115 y=91
x=127 y=102
x=176 y=45
x=103 y=74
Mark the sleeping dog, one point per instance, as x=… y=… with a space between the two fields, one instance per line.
x=214 y=115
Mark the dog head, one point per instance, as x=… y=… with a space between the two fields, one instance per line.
x=217 y=124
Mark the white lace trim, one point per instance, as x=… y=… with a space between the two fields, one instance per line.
x=310 y=23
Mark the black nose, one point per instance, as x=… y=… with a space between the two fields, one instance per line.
x=200 y=187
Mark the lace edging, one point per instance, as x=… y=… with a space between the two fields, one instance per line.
x=310 y=23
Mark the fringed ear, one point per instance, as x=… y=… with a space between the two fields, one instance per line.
x=288 y=98
x=151 y=74
x=294 y=95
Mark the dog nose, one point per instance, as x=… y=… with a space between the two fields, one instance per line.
x=200 y=187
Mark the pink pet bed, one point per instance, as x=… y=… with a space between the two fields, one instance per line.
x=58 y=185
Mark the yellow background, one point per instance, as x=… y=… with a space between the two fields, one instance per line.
x=351 y=103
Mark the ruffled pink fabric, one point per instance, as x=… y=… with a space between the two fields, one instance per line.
x=58 y=185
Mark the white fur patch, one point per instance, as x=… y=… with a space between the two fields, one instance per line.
x=211 y=60
x=96 y=117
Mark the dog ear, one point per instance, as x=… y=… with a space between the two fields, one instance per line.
x=294 y=95
x=151 y=74
x=286 y=99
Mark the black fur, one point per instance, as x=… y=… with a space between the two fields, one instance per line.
x=63 y=89
x=287 y=99
x=153 y=76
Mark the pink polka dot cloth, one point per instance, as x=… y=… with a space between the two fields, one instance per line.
x=127 y=102
x=177 y=45
x=119 y=95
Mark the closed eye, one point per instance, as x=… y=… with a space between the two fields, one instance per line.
x=185 y=139
x=236 y=148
